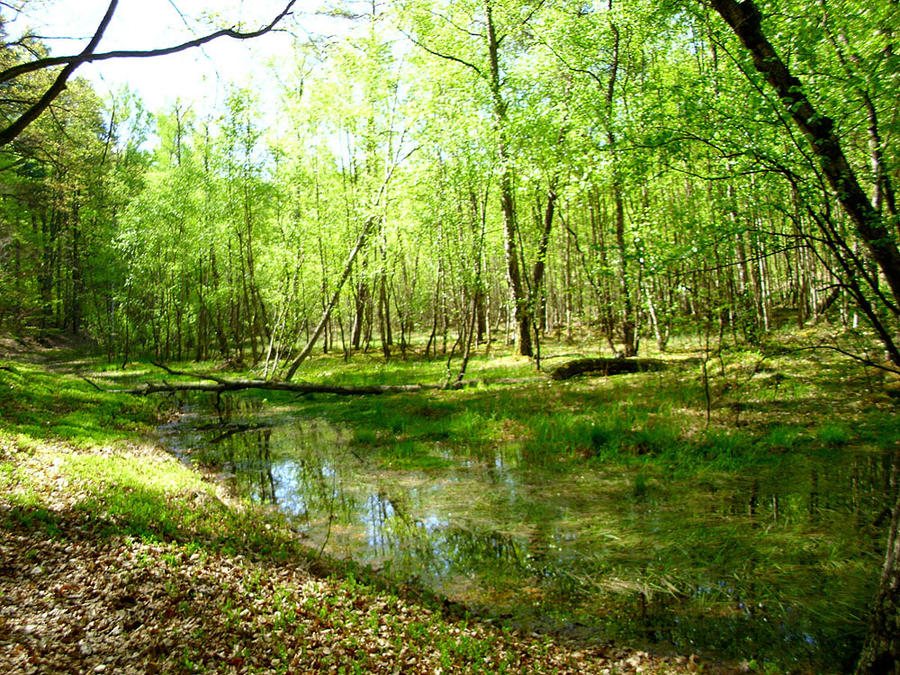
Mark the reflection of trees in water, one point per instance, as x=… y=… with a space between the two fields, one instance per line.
x=387 y=525
x=274 y=466
x=228 y=408
x=855 y=486
x=391 y=531
x=248 y=454
x=474 y=551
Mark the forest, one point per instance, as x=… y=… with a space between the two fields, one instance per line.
x=562 y=324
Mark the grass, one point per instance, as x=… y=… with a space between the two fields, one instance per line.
x=40 y=405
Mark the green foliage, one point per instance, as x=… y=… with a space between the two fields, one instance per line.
x=227 y=239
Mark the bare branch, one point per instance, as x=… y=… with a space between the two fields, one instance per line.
x=56 y=89
x=49 y=62
x=88 y=55
x=440 y=55
x=481 y=36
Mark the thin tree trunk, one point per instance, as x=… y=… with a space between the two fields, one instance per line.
x=522 y=311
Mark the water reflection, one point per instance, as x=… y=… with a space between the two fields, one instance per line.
x=778 y=565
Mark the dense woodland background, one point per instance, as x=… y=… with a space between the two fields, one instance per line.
x=504 y=170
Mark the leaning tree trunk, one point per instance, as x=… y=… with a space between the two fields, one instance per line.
x=881 y=653
x=326 y=315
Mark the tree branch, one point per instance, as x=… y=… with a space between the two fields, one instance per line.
x=59 y=85
x=49 y=62
x=448 y=57
x=89 y=56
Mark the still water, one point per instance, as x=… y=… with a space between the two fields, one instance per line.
x=776 y=567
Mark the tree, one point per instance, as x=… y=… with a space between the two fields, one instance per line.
x=881 y=651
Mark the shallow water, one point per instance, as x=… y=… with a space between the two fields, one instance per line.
x=777 y=566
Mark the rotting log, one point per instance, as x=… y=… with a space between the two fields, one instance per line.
x=604 y=367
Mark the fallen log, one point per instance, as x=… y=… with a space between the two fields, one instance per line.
x=224 y=386
x=604 y=367
x=221 y=385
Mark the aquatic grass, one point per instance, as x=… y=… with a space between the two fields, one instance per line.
x=365 y=437
x=834 y=434
x=880 y=428
x=782 y=438
x=411 y=455
x=553 y=438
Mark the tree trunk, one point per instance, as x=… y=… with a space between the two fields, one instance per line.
x=507 y=198
x=605 y=367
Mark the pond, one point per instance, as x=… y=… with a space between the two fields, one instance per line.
x=776 y=567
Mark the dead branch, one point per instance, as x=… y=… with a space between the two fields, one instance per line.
x=221 y=385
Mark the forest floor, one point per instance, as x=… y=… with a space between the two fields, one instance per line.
x=116 y=558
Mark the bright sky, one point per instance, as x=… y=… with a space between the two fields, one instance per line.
x=199 y=75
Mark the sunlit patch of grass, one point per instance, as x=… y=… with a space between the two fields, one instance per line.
x=47 y=405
